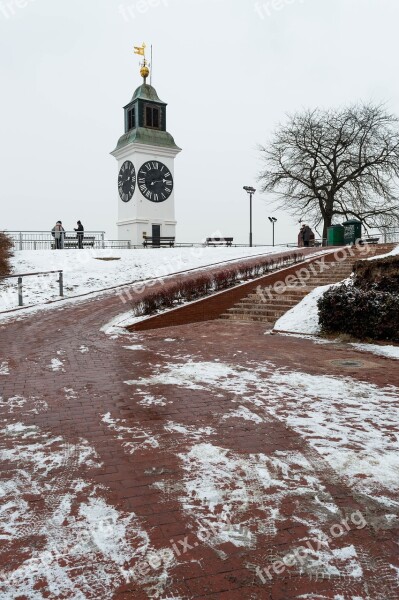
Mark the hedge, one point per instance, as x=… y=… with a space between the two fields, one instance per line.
x=362 y=313
x=197 y=286
x=5 y=254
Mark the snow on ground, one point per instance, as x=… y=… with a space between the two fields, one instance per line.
x=133 y=438
x=4 y=369
x=388 y=351
x=393 y=252
x=348 y=427
x=304 y=316
x=85 y=272
x=354 y=437
x=72 y=543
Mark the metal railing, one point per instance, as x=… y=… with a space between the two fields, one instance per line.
x=386 y=235
x=20 y=277
x=43 y=240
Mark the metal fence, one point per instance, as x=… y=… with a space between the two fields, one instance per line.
x=43 y=240
x=388 y=235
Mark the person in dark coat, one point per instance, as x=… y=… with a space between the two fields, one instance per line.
x=307 y=236
x=79 y=234
x=300 y=236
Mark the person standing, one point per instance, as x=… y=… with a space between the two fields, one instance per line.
x=79 y=234
x=58 y=233
x=307 y=234
x=300 y=236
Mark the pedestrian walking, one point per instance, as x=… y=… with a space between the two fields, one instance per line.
x=79 y=234
x=58 y=233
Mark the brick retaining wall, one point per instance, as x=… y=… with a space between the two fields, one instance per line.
x=211 y=307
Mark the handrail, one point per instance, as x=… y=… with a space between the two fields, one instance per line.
x=29 y=274
x=21 y=275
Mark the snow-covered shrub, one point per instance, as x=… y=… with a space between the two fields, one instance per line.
x=5 y=254
x=359 y=312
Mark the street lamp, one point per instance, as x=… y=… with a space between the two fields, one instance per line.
x=273 y=220
x=250 y=190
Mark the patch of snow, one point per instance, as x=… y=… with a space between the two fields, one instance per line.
x=135 y=347
x=4 y=369
x=83 y=349
x=31 y=405
x=303 y=317
x=56 y=365
x=388 y=351
x=393 y=252
x=149 y=400
x=133 y=438
x=189 y=431
x=70 y=394
x=243 y=413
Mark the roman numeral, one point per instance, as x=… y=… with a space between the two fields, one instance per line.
x=141 y=180
x=156 y=197
x=155 y=165
x=167 y=174
x=143 y=188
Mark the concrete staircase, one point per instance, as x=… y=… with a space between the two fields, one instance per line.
x=268 y=304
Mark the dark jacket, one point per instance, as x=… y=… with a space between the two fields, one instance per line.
x=307 y=234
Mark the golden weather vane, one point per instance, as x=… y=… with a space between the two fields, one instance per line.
x=144 y=71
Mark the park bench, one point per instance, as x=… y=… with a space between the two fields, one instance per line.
x=71 y=241
x=225 y=241
x=370 y=240
x=159 y=242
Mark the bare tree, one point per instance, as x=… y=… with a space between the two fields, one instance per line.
x=336 y=163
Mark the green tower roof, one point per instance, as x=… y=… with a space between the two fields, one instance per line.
x=146 y=92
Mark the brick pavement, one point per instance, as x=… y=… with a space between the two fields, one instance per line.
x=202 y=433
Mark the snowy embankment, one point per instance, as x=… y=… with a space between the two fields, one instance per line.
x=90 y=271
x=304 y=317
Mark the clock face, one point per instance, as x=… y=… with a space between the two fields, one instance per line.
x=127 y=181
x=155 y=181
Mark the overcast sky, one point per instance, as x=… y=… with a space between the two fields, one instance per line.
x=229 y=70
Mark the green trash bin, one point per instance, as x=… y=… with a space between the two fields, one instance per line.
x=353 y=231
x=335 y=235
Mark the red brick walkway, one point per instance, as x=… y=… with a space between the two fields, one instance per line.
x=117 y=447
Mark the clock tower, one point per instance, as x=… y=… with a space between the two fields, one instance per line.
x=145 y=155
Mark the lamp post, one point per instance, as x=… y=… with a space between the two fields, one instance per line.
x=250 y=190
x=273 y=220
